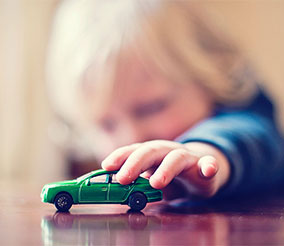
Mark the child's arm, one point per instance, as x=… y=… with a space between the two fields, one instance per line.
x=252 y=145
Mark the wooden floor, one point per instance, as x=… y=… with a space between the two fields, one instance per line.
x=24 y=220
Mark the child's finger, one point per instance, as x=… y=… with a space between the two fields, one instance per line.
x=202 y=177
x=173 y=164
x=208 y=166
x=116 y=159
x=148 y=173
x=140 y=160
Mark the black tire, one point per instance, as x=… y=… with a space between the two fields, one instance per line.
x=137 y=201
x=63 y=202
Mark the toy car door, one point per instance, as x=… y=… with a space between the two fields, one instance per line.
x=118 y=192
x=95 y=189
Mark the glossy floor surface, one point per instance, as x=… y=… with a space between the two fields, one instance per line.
x=24 y=220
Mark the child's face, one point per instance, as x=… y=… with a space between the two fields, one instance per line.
x=145 y=106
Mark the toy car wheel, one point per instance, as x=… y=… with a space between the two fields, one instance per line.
x=137 y=201
x=63 y=202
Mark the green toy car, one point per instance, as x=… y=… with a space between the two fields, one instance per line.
x=100 y=186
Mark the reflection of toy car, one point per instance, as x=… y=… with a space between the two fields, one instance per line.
x=100 y=186
x=130 y=220
x=100 y=229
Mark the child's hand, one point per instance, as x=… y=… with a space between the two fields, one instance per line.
x=202 y=168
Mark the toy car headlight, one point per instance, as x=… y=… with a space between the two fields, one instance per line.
x=43 y=193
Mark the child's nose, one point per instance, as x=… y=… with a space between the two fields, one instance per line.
x=133 y=133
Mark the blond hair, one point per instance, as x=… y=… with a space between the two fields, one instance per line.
x=174 y=35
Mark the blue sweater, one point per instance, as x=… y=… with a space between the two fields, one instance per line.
x=250 y=140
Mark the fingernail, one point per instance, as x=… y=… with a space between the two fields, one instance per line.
x=103 y=163
x=208 y=170
x=158 y=179
x=124 y=174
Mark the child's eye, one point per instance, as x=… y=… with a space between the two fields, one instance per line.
x=151 y=108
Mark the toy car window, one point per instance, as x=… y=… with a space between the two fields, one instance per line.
x=99 y=179
x=84 y=176
x=114 y=180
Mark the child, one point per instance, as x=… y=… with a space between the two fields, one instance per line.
x=182 y=100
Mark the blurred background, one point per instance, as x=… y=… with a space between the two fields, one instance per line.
x=33 y=145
